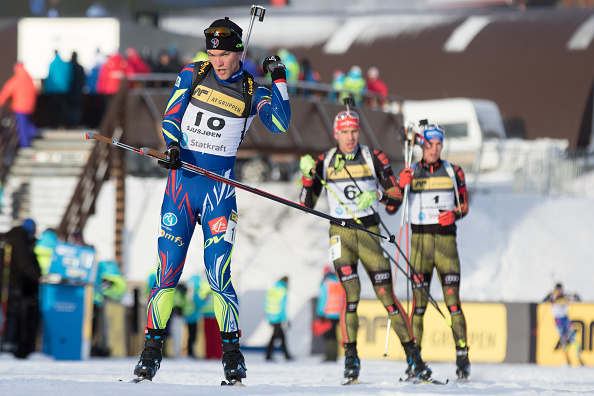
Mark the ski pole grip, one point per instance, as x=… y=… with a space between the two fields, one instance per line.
x=349 y=101
x=153 y=153
x=258 y=11
x=96 y=136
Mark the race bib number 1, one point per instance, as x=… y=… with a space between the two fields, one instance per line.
x=231 y=228
x=383 y=244
x=335 y=247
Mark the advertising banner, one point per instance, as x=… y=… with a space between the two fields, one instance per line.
x=486 y=323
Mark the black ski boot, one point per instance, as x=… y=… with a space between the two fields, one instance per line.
x=416 y=367
x=150 y=358
x=352 y=364
x=233 y=362
x=462 y=363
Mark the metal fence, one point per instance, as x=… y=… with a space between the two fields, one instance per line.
x=546 y=168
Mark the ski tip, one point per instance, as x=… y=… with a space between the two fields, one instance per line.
x=232 y=383
x=140 y=379
x=350 y=382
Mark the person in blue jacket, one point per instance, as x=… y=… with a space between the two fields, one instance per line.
x=206 y=118
x=192 y=310
x=56 y=86
x=275 y=307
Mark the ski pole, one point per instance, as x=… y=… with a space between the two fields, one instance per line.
x=234 y=183
x=387 y=338
x=350 y=101
x=336 y=196
x=404 y=221
x=424 y=291
x=255 y=11
x=407 y=158
x=359 y=221
x=384 y=250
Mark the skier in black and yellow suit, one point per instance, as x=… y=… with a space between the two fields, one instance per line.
x=371 y=171
x=438 y=198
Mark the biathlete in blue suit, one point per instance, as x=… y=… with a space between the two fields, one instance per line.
x=208 y=113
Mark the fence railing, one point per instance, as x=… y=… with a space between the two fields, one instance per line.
x=9 y=141
x=324 y=92
x=544 y=169
x=96 y=171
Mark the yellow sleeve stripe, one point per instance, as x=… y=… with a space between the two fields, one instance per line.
x=278 y=124
x=169 y=135
x=174 y=97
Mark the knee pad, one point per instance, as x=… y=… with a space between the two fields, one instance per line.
x=351 y=307
x=455 y=309
x=392 y=309
x=347 y=272
x=380 y=277
x=421 y=280
x=452 y=280
x=420 y=311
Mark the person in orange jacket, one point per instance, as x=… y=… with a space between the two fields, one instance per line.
x=21 y=89
x=331 y=303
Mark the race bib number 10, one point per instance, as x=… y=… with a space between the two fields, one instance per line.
x=231 y=228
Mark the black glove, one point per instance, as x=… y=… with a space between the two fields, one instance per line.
x=173 y=150
x=275 y=67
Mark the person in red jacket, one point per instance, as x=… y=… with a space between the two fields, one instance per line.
x=376 y=86
x=135 y=62
x=21 y=89
x=111 y=74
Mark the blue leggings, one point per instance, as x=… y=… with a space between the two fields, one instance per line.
x=188 y=198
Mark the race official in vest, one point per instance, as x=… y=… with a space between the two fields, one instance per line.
x=208 y=113
x=438 y=198
x=345 y=168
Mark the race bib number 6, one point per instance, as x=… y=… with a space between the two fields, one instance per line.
x=335 y=246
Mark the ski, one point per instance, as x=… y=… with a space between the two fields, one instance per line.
x=428 y=381
x=350 y=381
x=232 y=383
x=223 y=383
x=140 y=379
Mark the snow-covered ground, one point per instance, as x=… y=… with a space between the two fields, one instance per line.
x=307 y=376
x=513 y=249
